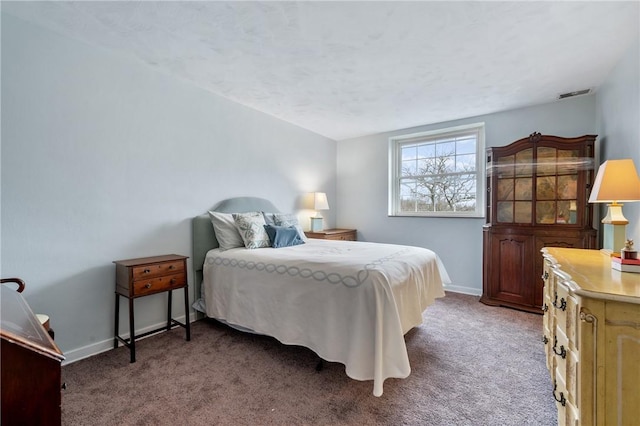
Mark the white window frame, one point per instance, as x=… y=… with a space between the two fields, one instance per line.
x=395 y=158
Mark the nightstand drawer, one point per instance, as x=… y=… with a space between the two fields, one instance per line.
x=158 y=284
x=154 y=270
x=349 y=236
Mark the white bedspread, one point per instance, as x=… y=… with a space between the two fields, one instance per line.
x=350 y=302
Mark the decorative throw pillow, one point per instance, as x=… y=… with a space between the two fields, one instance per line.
x=226 y=230
x=288 y=219
x=251 y=228
x=268 y=218
x=283 y=236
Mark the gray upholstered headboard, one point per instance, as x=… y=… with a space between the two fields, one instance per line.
x=204 y=239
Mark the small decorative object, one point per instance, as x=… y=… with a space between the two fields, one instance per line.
x=628 y=251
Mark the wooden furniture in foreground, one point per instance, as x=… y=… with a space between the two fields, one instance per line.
x=591 y=331
x=30 y=363
x=143 y=277
x=334 y=234
x=537 y=197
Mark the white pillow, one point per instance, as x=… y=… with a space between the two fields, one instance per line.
x=226 y=230
x=251 y=228
x=289 y=219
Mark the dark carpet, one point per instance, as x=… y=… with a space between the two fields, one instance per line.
x=471 y=365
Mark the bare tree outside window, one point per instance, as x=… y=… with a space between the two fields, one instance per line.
x=438 y=175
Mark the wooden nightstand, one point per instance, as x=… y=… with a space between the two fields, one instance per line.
x=334 y=234
x=143 y=277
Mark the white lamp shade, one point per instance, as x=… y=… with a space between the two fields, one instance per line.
x=320 y=201
x=617 y=180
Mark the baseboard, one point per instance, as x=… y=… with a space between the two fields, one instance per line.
x=106 y=345
x=464 y=290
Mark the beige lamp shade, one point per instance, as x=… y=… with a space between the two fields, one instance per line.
x=617 y=180
x=320 y=201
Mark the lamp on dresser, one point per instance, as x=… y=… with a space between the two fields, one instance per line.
x=319 y=202
x=617 y=181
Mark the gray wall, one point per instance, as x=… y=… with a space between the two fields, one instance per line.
x=618 y=123
x=612 y=113
x=363 y=170
x=104 y=158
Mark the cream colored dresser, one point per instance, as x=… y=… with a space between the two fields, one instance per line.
x=592 y=337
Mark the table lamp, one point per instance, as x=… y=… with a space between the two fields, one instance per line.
x=319 y=203
x=616 y=181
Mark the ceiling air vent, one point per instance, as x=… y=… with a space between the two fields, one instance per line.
x=572 y=94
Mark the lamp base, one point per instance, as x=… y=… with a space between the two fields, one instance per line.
x=316 y=224
x=613 y=237
x=614 y=215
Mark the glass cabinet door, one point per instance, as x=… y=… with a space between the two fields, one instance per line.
x=537 y=186
x=556 y=186
x=515 y=187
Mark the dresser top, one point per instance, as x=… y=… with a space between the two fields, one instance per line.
x=591 y=273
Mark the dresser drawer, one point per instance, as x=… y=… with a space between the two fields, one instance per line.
x=157 y=284
x=154 y=270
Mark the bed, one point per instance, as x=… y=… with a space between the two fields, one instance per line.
x=350 y=302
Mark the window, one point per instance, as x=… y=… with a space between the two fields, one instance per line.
x=438 y=173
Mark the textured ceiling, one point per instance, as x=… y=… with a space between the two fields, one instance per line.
x=346 y=69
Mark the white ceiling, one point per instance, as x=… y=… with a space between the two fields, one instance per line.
x=347 y=69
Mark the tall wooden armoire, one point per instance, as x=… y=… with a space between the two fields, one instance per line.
x=537 y=189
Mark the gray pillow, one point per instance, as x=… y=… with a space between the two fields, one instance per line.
x=226 y=230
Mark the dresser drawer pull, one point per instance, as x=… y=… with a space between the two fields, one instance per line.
x=172 y=266
x=562 y=305
x=562 y=400
x=173 y=281
x=148 y=285
x=146 y=271
x=563 y=351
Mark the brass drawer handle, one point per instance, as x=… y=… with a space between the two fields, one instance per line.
x=148 y=285
x=172 y=266
x=146 y=271
x=173 y=281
